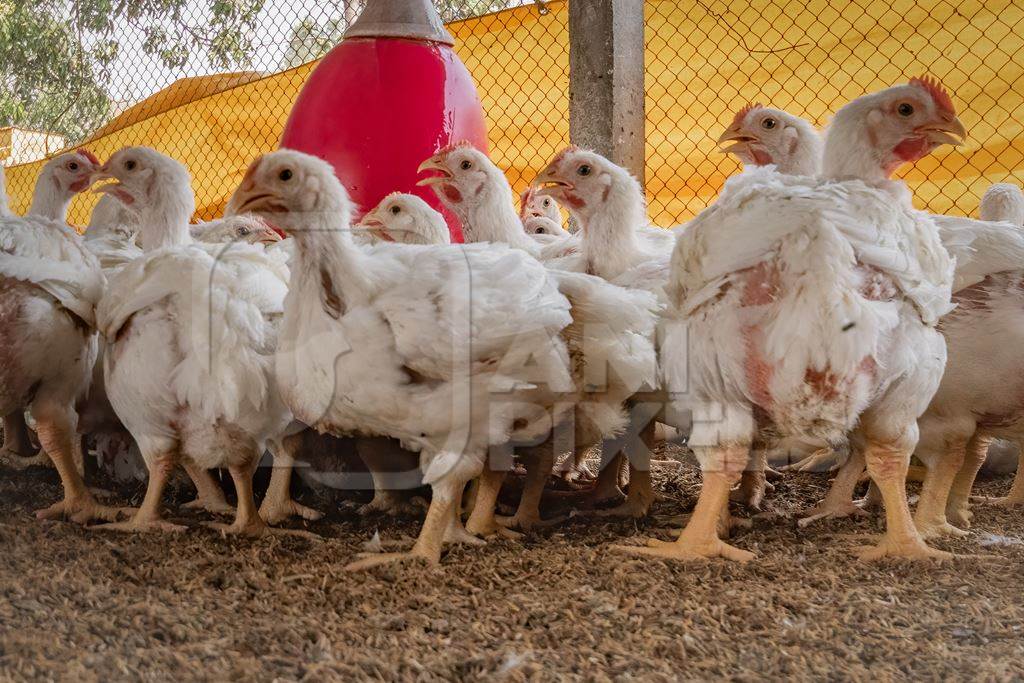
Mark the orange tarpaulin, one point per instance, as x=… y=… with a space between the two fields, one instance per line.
x=703 y=61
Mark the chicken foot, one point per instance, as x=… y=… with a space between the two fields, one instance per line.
x=209 y=495
x=57 y=429
x=391 y=468
x=700 y=538
x=540 y=460
x=754 y=482
x=148 y=517
x=428 y=544
x=482 y=521
x=278 y=504
x=838 y=502
x=887 y=465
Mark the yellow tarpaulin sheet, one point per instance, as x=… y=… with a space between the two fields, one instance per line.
x=704 y=60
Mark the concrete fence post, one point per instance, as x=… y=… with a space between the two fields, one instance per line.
x=606 y=79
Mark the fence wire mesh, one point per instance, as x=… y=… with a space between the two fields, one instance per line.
x=211 y=82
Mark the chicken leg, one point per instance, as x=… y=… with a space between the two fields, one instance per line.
x=887 y=465
x=930 y=516
x=838 y=502
x=247 y=520
x=431 y=539
x=482 y=520
x=641 y=491
x=148 y=516
x=958 y=507
x=394 y=470
x=57 y=427
x=700 y=539
x=278 y=504
x=17 y=450
x=209 y=495
x=1016 y=495
x=539 y=461
x=456 y=532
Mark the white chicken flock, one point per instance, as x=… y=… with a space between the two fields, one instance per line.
x=811 y=300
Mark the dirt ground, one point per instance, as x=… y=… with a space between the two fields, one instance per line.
x=84 y=605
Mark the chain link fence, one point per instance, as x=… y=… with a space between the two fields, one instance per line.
x=211 y=82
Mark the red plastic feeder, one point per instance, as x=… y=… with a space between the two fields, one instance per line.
x=390 y=95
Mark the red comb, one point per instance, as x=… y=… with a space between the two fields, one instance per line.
x=89 y=155
x=454 y=146
x=942 y=99
x=742 y=114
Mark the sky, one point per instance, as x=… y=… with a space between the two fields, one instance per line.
x=137 y=75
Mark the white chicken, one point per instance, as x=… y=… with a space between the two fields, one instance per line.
x=1002 y=202
x=482 y=199
x=540 y=215
x=399 y=218
x=60 y=179
x=986 y=254
x=452 y=349
x=242 y=228
x=762 y=135
x=608 y=205
x=112 y=234
x=808 y=307
x=407 y=219
x=190 y=332
x=51 y=286
x=477 y=191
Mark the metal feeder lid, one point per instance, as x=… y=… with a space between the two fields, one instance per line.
x=416 y=19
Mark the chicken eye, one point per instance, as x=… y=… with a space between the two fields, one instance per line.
x=905 y=109
x=243 y=231
x=547 y=203
x=285 y=175
x=541 y=231
x=73 y=166
x=584 y=170
x=130 y=165
x=768 y=124
x=466 y=165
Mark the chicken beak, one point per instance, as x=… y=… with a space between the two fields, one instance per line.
x=434 y=163
x=549 y=184
x=947 y=132
x=739 y=139
x=251 y=201
x=116 y=189
x=372 y=220
x=373 y=224
x=270 y=236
